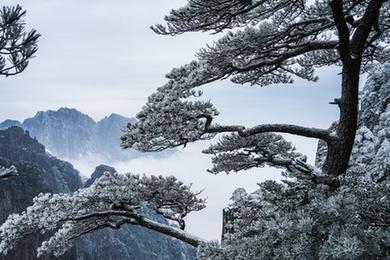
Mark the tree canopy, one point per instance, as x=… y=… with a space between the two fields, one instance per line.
x=300 y=219
x=266 y=42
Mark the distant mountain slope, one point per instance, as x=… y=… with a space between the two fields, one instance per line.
x=70 y=134
x=40 y=172
x=108 y=131
x=66 y=133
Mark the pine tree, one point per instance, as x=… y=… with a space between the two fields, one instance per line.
x=337 y=209
x=266 y=42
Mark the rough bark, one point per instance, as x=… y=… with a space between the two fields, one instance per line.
x=339 y=150
x=351 y=52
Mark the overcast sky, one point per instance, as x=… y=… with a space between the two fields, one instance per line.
x=101 y=57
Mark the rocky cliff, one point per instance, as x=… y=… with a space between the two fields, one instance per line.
x=38 y=172
x=41 y=172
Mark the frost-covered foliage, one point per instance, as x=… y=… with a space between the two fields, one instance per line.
x=375 y=96
x=167 y=120
x=371 y=150
x=5 y=173
x=301 y=220
x=235 y=153
x=111 y=201
x=266 y=42
x=17 y=46
x=332 y=211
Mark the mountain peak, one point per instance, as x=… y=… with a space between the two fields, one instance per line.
x=8 y=123
x=114 y=117
x=67 y=110
x=99 y=171
x=64 y=113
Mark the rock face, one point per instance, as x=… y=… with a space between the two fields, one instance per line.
x=99 y=171
x=108 y=132
x=40 y=172
x=70 y=134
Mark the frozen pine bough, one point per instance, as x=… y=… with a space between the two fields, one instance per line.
x=298 y=219
x=111 y=201
x=17 y=46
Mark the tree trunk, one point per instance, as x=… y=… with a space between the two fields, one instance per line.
x=340 y=148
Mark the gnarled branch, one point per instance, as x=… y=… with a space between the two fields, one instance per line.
x=135 y=218
x=311 y=132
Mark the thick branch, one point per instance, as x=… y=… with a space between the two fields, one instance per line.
x=322 y=134
x=343 y=30
x=145 y=222
x=275 y=161
x=170 y=231
x=370 y=19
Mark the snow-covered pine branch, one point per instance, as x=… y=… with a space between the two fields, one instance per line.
x=17 y=46
x=265 y=42
x=6 y=173
x=236 y=153
x=299 y=220
x=111 y=201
